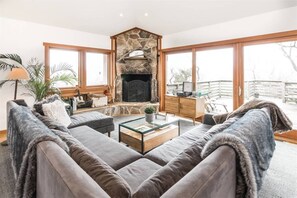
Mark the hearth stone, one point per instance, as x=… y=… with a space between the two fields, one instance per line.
x=122 y=108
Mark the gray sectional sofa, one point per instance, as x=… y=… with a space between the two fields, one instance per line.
x=174 y=169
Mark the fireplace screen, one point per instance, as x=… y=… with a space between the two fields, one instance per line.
x=136 y=87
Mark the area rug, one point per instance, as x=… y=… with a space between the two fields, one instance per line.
x=280 y=180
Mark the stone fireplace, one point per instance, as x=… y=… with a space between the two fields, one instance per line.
x=136 y=87
x=136 y=66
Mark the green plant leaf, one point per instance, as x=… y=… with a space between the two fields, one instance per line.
x=38 y=87
x=4 y=65
x=63 y=77
x=14 y=57
x=149 y=110
x=62 y=67
x=2 y=82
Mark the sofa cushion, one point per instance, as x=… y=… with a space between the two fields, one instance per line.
x=171 y=149
x=171 y=173
x=104 y=175
x=138 y=171
x=92 y=119
x=113 y=153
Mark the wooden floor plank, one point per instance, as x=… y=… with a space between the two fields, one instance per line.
x=290 y=136
x=2 y=136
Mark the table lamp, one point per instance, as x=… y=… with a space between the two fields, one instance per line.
x=17 y=74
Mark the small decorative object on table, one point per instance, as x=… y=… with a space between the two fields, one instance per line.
x=149 y=114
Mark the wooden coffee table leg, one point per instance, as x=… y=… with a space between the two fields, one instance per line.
x=178 y=123
x=119 y=133
x=142 y=143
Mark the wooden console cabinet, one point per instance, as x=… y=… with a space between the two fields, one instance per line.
x=185 y=106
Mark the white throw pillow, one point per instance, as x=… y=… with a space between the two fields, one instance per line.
x=56 y=111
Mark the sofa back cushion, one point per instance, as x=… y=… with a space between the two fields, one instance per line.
x=166 y=177
x=51 y=123
x=107 y=178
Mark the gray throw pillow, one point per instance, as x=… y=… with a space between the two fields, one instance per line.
x=38 y=106
x=107 y=178
x=166 y=177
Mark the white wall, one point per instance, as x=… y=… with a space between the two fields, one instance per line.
x=26 y=39
x=271 y=22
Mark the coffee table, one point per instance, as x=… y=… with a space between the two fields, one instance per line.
x=144 y=136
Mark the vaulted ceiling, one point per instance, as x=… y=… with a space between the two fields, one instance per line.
x=109 y=17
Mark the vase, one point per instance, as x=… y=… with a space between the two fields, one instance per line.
x=149 y=117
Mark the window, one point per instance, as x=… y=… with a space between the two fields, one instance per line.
x=60 y=58
x=96 y=69
x=90 y=65
x=178 y=70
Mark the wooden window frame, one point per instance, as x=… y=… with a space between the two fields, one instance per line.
x=238 y=71
x=82 y=74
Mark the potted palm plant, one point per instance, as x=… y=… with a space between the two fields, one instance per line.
x=37 y=86
x=149 y=114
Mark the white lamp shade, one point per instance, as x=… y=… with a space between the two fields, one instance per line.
x=18 y=74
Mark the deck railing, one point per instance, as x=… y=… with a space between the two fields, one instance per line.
x=224 y=88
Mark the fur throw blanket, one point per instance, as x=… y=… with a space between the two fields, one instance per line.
x=252 y=139
x=280 y=121
x=25 y=131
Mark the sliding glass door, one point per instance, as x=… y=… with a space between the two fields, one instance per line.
x=178 y=70
x=214 y=77
x=270 y=73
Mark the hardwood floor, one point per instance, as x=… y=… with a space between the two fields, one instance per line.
x=2 y=136
x=290 y=136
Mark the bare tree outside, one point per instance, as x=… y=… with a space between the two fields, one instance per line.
x=171 y=78
x=289 y=50
x=182 y=75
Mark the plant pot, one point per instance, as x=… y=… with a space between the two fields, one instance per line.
x=149 y=117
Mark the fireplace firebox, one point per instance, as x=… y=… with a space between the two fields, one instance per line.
x=136 y=87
